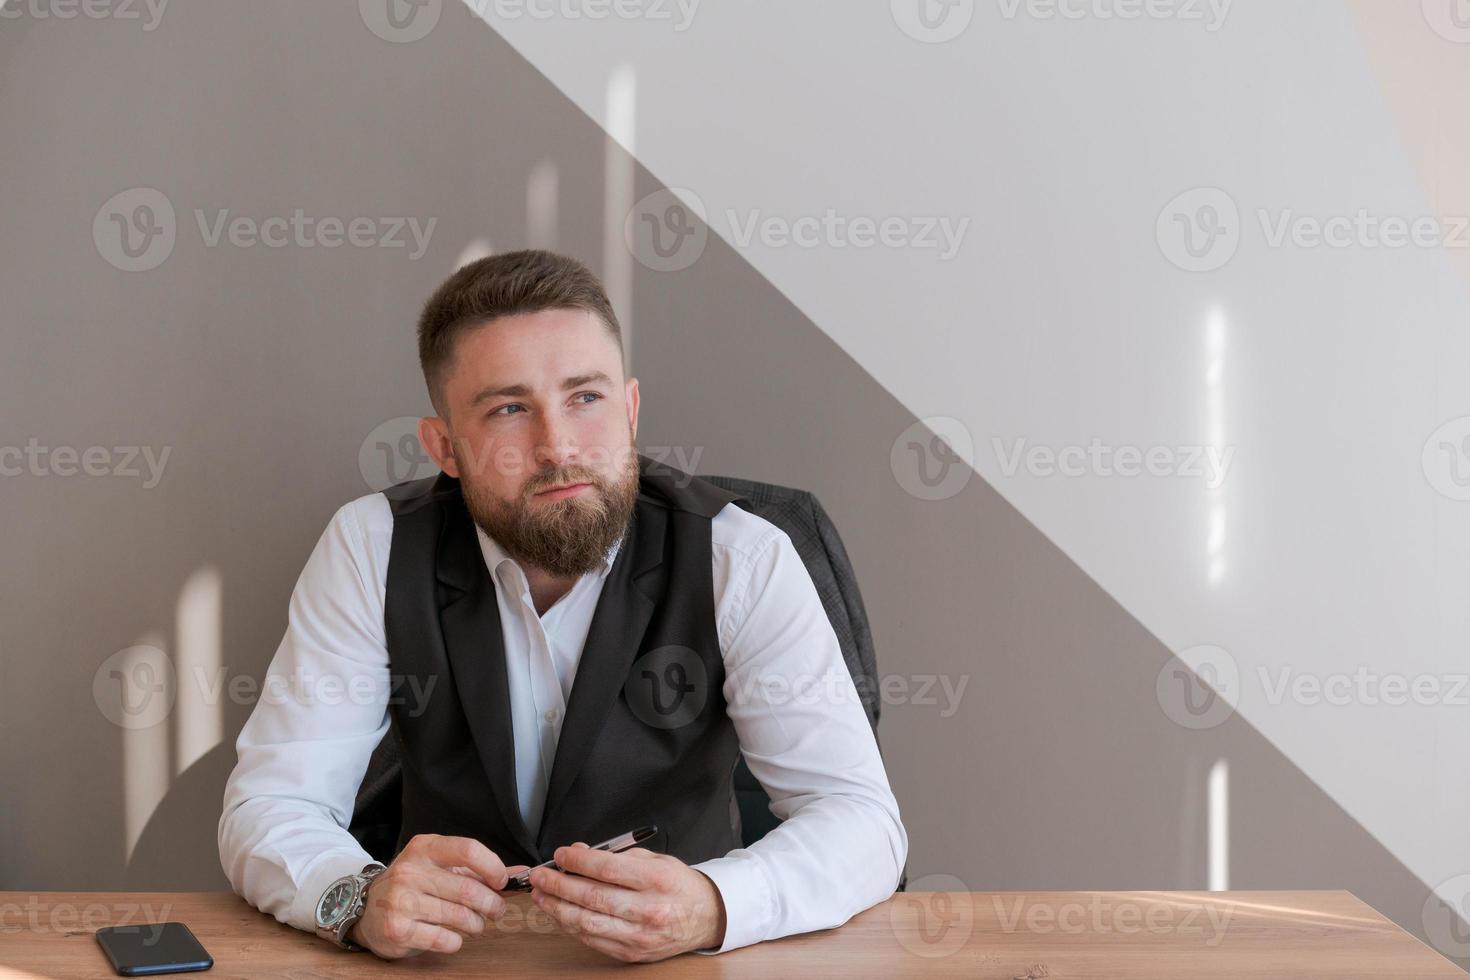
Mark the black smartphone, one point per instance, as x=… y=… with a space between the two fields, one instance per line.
x=521 y=882
x=158 y=947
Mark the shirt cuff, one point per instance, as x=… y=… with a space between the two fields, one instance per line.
x=747 y=896
x=319 y=875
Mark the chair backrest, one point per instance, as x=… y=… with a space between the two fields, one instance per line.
x=376 y=817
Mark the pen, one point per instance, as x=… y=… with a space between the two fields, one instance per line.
x=521 y=882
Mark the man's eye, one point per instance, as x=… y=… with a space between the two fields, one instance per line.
x=502 y=409
x=593 y=394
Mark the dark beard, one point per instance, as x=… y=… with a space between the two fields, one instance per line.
x=565 y=538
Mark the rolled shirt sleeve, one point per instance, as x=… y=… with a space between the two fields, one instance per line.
x=322 y=710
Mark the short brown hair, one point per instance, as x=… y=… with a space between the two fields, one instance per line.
x=526 y=281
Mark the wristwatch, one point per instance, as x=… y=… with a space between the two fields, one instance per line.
x=343 y=903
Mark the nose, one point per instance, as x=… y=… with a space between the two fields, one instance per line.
x=554 y=448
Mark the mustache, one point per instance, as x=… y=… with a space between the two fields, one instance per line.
x=562 y=479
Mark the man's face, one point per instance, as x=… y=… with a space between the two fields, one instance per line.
x=537 y=402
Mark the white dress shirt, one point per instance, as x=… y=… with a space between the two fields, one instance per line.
x=324 y=708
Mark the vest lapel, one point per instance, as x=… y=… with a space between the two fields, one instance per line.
x=470 y=618
x=618 y=623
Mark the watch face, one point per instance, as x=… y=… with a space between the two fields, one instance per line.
x=335 y=903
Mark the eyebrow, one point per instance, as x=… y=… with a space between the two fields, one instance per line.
x=521 y=390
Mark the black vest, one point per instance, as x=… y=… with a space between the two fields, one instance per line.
x=645 y=740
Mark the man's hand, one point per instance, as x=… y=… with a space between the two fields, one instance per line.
x=635 y=906
x=437 y=891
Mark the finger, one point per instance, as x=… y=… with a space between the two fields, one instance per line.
x=447 y=852
x=580 y=920
x=461 y=889
x=617 y=950
x=415 y=936
x=598 y=896
x=618 y=869
x=434 y=911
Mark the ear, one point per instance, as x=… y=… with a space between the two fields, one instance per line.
x=631 y=397
x=434 y=435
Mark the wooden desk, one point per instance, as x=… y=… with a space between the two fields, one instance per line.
x=1096 y=935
